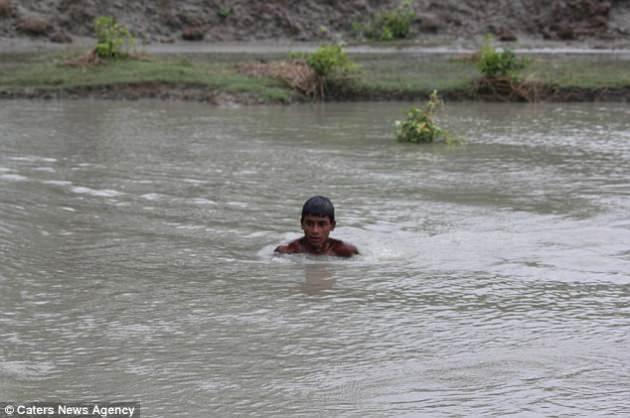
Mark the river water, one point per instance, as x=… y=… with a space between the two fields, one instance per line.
x=494 y=277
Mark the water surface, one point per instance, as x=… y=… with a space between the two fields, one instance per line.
x=136 y=260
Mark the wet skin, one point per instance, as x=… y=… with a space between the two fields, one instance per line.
x=316 y=240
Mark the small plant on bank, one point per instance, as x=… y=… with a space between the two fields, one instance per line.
x=113 y=40
x=501 y=80
x=390 y=24
x=495 y=63
x=332 y=66
x=330 y=60
x=298 y=55
x=328 y=70
x=224 y=12
x=419 y=127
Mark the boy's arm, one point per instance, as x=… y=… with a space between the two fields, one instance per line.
x=346 y=250
x=290 y=248
x=282 y=249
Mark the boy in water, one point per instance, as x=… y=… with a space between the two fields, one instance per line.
x=318 y=220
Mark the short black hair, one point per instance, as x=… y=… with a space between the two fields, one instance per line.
x=318 y=206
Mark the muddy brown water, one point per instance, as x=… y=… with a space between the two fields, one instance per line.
x=136 y=260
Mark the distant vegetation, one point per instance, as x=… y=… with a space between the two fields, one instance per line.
x=224 y=12
x=498 y=63
x=388 y=25
x=333 y=68
x=113 y=40
x=330 y=61
x=501 y=78
x=327 y=73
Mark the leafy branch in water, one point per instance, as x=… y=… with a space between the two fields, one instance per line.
x=420 y=127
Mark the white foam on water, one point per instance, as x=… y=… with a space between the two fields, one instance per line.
x=45 y=169
x=203 y=201
x=151 y=196
x=33 y=158
x=57 y=182
x=13 y=177
x=256 y=234
x=25 y=368
x=95 y=192
x=237 y=204
x=191 y=227
x=193 y=181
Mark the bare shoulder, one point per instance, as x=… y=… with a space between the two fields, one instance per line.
x=343 y=249
x=291 y=248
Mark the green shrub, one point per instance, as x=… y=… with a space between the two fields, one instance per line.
x=224 y=12
x=420 y=127
x=298 y=55
x=358 y=29
x=112 y=39
x=333 y=70
x=331 y=61
x=493 y=63
x=390 y=24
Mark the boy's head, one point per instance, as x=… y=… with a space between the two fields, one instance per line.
x=319 y=206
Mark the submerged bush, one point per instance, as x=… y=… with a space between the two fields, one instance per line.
x=495 y=63
x=390 y=24
x=420 y=126
x=113 y=40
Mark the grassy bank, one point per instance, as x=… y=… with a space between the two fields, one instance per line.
x=48 y=73
x=382 y=76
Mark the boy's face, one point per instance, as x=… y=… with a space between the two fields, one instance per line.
x=316 y=229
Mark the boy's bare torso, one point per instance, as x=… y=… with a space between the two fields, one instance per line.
x=332 y=247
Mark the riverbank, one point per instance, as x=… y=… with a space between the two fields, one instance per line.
x=242 y=20
x=385 y=74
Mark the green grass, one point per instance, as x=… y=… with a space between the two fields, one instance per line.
x=381 y=74
x=584 y=72
x=48 y=71
x=408 y=73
